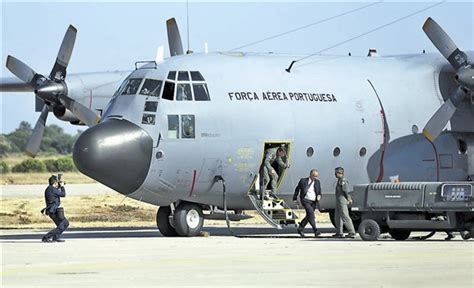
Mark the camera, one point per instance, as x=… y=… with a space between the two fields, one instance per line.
x=60 y=181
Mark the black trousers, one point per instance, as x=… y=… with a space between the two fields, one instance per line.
x=309 y=207
x=61 y=226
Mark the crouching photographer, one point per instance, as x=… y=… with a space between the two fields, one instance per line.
x=52 y=196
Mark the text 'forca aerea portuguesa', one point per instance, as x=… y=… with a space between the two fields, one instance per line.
x=282 y=96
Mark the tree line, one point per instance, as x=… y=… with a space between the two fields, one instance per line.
x=55 y=140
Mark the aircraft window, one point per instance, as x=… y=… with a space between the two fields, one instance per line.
x=183 y=92
x=132 y=86
x=172 y=75
x=196 y=76
x=309 y=151
x=187 y=126
x=148 y=119
x=151 y=106
x=122 y=86
x=200 y=92
x=168 y=91
x=362 y=152
x=336 y=151
x=183 y=76
x=173 y=126
x=151 y=87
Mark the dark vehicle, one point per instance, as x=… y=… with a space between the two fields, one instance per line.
x=400 y=208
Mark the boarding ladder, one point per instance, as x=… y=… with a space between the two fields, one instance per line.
x=273 y=210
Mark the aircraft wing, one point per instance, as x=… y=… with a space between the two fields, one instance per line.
x=12 y=84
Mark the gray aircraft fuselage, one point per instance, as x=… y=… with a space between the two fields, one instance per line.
x=363 y=113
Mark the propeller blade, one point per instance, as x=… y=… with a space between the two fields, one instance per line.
x=174 y=39
x=59 y=69
x=21 y=70
x=33 y=145
x=445 y=44
x=441 y=117
x=86 y=115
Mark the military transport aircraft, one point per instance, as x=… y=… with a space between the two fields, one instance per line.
x=180 y=132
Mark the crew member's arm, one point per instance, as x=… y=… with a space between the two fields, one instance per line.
x=281 y=163
x=345 y=190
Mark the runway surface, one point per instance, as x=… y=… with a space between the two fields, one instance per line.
x=131 y=257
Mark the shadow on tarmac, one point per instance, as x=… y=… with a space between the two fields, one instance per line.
x=12 y=236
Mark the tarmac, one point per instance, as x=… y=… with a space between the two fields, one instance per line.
x=141 y=257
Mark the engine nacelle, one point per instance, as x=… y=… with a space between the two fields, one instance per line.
x=64 y=114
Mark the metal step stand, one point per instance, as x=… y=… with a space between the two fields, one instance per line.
x=274 y=210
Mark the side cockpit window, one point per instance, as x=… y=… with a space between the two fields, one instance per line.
x=200 y=92
x=151 y=87
x=131 y=86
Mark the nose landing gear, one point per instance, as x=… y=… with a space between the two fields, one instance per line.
x=187 y=220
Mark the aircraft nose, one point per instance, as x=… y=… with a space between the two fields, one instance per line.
x=117 y=153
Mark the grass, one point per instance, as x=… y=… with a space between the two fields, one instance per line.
x=42 y=177
x=106 y=210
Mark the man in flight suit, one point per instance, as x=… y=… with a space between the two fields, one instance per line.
x=309 y=190
x=342 y=201
x=52 y=195
x=272 y=155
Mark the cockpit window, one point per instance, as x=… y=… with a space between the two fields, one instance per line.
x=132 y=86
x=196 y=76
x=151 y=87
x=200 y=92
x=168 y=91
x=172 y=75
x=183 y=76
x=183 y=92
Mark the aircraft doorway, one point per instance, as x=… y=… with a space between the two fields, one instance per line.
x=275 y=160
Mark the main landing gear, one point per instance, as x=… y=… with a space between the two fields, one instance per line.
x=187 y=220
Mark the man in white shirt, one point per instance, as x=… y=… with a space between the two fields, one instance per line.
x=309 y=190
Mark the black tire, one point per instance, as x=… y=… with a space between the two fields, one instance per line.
x=188 y=219
x=399 y=235
x=163 y=222
x=466 y=235
x=369 y=230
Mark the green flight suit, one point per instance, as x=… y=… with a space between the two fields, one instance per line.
x=341 y=215
x=270 y=157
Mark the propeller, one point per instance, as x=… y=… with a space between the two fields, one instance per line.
x=51 y=90
x=174 y=39
x=464 y=77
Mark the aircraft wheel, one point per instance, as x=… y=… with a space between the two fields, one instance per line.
x=163 y=222
x=188 y=219
x=400 y=235
x=466 y=235
x=369 y=230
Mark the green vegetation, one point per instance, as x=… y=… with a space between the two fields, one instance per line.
x=30 y=165
x=4 y=167
x=55 y=140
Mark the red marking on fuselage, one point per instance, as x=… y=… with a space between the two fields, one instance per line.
x=194 y=182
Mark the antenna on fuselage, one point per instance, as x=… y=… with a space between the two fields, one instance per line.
x=187 y=26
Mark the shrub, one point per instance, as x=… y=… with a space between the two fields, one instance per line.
x=4 y=167
x=30 y=165
x=65 y=164
x=51 y=165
